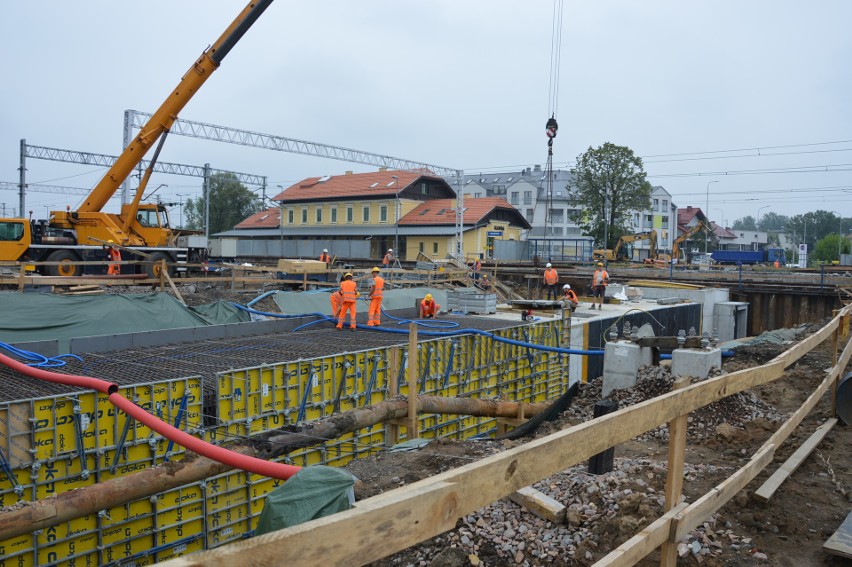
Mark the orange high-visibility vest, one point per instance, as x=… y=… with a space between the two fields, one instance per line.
x=348 y=288
x=550 y=276
x=378 y=286
x=325 y=258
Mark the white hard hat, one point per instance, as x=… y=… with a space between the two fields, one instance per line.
x=390 y=249
x=548 y=265
x=566 y=286
x=325 y=250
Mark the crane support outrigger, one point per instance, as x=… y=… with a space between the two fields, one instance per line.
x=67 y=237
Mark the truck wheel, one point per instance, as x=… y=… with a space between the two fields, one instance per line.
x=66 y=269
x=153 y=266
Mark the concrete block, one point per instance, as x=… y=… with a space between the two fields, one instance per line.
x=695 y=363
x=621 y=366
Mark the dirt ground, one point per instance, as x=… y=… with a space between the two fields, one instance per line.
x=604 y=511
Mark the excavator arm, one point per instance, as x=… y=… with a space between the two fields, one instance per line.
x=162 y=120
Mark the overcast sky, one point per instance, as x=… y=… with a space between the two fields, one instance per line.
x=753 y=95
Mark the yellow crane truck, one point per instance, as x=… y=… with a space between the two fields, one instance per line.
x=68 y=237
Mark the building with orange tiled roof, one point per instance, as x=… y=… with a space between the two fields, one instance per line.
x=363 y=215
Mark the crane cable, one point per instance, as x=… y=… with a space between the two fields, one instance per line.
x=552 y=107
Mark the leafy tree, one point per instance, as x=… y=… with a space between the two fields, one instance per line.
x=810 y=227
x=773 y=221
x=745 y=223
x=230 y=203
x=609 y=183
x=826 y=248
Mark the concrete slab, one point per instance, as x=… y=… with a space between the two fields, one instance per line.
x=621 y=366
x=695 y=363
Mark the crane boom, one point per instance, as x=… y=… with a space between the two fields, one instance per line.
x=162 y=119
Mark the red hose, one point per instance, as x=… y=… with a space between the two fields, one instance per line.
x=214 y=452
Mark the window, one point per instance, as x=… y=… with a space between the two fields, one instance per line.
x=291 y=214
x=365 y=213
x=349 y=214
x=649 y=219
x=477 y=195
x=421 y=247
x=530 y=214
x=528 y=197
x=515 y=198
x=319 y=215
x=557 y=216
x=383 y=213
x=11 y=231
x=304 y=215
x=334 y=215
x=656 y=205
x=665 y=222
x=434 y=248
x=665 y=206
x=554 y=231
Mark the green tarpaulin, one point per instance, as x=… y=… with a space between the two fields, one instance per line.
x=27 y=317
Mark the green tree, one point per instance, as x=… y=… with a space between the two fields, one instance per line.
x=810 y=227
x=773 y=221
x=826 y=248
x=230 y=203
x=609 y=183
x=745 y=223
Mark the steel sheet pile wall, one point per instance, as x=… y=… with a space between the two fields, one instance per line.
x=42 y=438
x=54 y=444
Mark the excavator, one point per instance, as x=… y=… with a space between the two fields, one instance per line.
x=666 y=259
x=68 y=237
x=616 y=254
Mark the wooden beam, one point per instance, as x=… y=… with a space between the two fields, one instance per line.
x=840 y=542
x=765 y=492
x=171 y=283
x=413 y=358
x=539 y=504
x=674 y=477
x=392 y=429
x=639 y=546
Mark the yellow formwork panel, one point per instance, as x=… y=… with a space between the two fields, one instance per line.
x=58 y=486
x=182 y=544
x=62 y=551
x=16 y=551
x=66 y=530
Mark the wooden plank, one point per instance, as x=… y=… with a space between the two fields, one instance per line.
x=539 y=504
x=840 y=542
x=392 y=429
x=765 y=492
x=702 y=508
x=639 y=546
x=172 y=284
x=674 y=477
x=413 y=419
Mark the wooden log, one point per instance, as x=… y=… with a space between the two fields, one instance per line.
x=91 y=499
x=674 y=477
x=768 y=488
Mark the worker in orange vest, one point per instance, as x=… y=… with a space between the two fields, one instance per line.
x=374 y=316
x=428 y=307
x=550 y=280
x=388 y=259
x=324 y=257
x=599 y=281
x=336 y=302
x=777 y=264
x=114 y=269
x=569 y=298
x=348 y=289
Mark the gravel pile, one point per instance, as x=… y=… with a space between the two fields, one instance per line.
x=602 y=512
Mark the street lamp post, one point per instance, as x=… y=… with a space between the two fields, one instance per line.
x=281 y=219
x=396 y=224
x=706 y=236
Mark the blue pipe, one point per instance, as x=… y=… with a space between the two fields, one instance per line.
x=261 y=296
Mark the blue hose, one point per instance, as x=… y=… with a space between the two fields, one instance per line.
x=36 y=359
x=261 y=296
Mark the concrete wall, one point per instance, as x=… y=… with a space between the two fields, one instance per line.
x=707 y=297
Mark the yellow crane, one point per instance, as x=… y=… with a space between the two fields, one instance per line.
x=68 y=237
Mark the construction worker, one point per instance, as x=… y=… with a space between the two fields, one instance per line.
x=599 y=281
x=550 y=281
x=777 y=264
x=388 y=259
x=374 y=318
x=324 y=257
x=114 y=269
x=336 y=302
x=348 y=288
x=428 y=307
x=569 y=298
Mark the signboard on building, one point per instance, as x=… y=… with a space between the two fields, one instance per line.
x=495 y=233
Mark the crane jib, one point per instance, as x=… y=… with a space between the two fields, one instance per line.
x=239 y=31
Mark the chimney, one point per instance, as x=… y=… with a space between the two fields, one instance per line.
x=349 y=172
x=537 y=168
x=383 y=169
